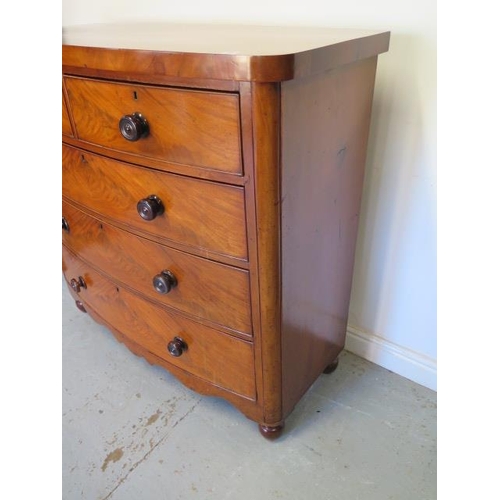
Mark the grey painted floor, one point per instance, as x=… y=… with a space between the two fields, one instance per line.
x=133 y=432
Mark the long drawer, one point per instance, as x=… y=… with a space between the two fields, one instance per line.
x=204 y=288
x=201 y=214
x=197 y=128
x=221 y=359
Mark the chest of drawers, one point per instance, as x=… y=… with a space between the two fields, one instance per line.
x=212 y=180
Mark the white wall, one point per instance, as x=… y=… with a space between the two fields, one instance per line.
x=393 y=309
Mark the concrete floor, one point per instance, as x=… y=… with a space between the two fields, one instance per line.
x=133 y=432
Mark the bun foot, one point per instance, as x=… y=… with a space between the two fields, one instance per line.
x=271 y=432
x=331 y=367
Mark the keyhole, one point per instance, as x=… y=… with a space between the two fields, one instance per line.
x=135 y=95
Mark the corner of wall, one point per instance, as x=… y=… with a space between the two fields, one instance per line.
x=405 y=362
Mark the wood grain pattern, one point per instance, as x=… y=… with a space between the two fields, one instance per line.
x=247 y=406
x=205 y=289
x=246 y=112
x=260 y=170
x=325 y=124
x=222 y=360
x=266 y=171
x=162 y=51
x=159 y=164
x=135 y=75
x=66 y=123
x=161 y=66
x=186 y=126
x=197 y=213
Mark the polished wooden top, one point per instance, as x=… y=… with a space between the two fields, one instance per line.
x=224 y=52
x=244 y=40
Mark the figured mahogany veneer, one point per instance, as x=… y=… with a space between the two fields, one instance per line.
x=205 y=289
x=197 y=128
x=153 y=327
x=212 y=181
x=66 y=123
x=201 y=214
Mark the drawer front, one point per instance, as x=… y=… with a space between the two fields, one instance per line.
x=197 y=128
x=201 y=214
x=66 y=124
x=205 y=289
x=220 y=359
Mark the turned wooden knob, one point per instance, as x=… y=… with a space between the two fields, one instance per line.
x=133 y=127
x=65 y=224
x=78 y=284
x=176 y=347
x=149 y=208
x=79 y=305
x=164 y=282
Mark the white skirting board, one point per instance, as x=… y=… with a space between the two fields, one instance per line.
x=405 y=362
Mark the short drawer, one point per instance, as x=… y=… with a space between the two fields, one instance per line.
x=205 y=289
x=190 y=127
x=220 y=359
x=201 y=214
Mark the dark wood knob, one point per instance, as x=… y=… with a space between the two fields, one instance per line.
x=149 y=208
x=78 y=284
x=79 y=305
x=176 y=347
x=133 y=127
x=164 y=282
x=65 y=224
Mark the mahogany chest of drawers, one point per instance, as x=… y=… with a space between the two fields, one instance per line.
x=212 y=180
